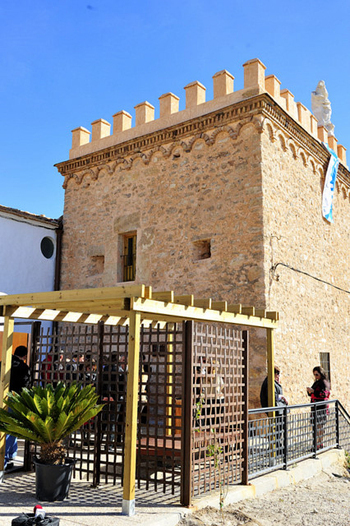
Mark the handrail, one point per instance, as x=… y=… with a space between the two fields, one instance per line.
x=344 y=411
x=296 y=406
x=283 y=435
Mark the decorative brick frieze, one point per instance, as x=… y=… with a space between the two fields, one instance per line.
x=170 y=134
x=253 y=110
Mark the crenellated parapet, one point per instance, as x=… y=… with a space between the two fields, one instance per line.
x=103 y=135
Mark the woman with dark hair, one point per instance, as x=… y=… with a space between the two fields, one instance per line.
x=319 y=392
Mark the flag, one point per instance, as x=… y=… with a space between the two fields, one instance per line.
x=329 y=184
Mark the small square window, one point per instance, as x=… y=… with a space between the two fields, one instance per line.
x=96 y=265
x=202 y=249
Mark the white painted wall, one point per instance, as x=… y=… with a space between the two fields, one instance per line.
x=23 y=268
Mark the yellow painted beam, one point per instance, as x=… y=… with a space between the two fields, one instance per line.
x=187 y=299
x=148 y=292
x=166 y=296
x=270 y=368
x=273 y=315
x=116 y=320
x=175 y=312
x=146 y=322
x=237 y=309
x=6 y=360
x=161 y=324
x=50 y=311
x=21 y=312
x=271 y=389
x=92 y=310
x=131 y=414
x=219 y=305
x=77 y=295
x=203 y=303
x=249 y=311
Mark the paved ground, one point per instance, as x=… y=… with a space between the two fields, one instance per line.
x=320 y=494
x=87 y=506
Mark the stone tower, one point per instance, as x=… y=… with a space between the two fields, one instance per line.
x=206 y=201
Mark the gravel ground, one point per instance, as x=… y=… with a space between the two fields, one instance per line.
x=322 y=500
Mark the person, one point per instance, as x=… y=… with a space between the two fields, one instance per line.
x=20 y=378
x=90 y=377
x=81 y=367
x=74 y=367
x=90 y=370
x=144 y=390
x=280 y=399
x=114 y=395
x=319 y=392
x=62 y=365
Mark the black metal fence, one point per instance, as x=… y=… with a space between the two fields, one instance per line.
x=281 y=436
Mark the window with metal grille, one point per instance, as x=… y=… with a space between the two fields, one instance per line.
x=129 y=257
x=325 y=363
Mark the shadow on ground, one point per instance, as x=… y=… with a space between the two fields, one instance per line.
x=17 y=494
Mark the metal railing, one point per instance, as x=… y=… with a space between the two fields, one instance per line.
x=281 y=436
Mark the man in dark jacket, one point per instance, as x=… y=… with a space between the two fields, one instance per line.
x=276 y=434
x=20 y=378
x=280 y=400
x=20 y=372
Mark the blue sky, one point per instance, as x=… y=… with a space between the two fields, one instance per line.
x=66 y=63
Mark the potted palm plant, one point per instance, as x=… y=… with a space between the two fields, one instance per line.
x=46 y=416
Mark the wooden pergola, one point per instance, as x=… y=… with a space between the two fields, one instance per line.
x=132 y=305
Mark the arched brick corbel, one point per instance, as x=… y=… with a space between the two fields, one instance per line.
x=270 y=132
x=259 y=122
x=282 y=141
x=218 y=130
x=313 y=165
x=293 y=149
x=302 y=156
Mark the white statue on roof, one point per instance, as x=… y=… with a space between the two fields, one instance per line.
x=321 y=107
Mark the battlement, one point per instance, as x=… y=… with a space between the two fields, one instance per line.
x=255 y=83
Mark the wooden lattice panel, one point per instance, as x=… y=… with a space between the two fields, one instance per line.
x=217 y=407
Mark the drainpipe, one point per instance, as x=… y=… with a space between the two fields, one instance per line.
x=59 y=233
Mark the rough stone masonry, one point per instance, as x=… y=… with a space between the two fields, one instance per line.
x=217 y=194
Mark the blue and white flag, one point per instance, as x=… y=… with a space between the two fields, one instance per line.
x=329 y=184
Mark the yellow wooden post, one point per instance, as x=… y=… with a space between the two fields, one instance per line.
x=128 y=507
x=6 y=359
x=170 y=380
x=271 y=387
x=270 y=368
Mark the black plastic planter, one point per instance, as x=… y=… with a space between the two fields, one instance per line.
x=53 y=481
x=28 y=519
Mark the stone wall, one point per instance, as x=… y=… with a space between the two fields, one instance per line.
x=210 y=192
x=243 y=175
x=314 y=317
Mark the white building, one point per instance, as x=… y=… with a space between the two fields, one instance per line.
x=29 y=245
